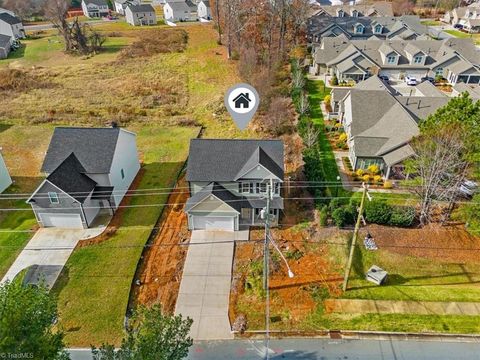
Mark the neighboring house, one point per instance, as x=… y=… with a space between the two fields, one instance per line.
x=140 y=15
x=11 y=26
x=380 y=124
x=457 y=60
x=95 y=8
x=468 y=16
x=405 y=27
x=204 y=10
x=121 y=5
x=180 y=10
x=3 y=11
x=379 y=8
x=87 y=169
x=228 y=182
x=473 y=91
x=5 y=179
x=5 y=46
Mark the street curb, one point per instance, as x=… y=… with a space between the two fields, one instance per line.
x=361 y=335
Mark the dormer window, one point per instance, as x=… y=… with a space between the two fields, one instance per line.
x=391 y=59
x=359 y=29
x=377 y=29
x=340 y=13
x=418 y=59
x=354 y=13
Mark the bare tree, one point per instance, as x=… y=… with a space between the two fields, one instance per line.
x=22 y=8
x=439 y=168
x=298 y=78
x=303 y=104
x=311 y=134
x=279 y=116
x=300 y=12
x=78 y=37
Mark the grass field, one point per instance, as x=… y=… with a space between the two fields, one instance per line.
x=462 y=35
x=431 y=23
x=163 y=98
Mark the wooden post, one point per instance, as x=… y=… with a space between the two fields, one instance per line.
x=354 y=239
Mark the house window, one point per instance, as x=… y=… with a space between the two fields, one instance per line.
x=340 y=13
x=53 y=196
x=418 y=59
x=378 y=29
x=359 y=29
x=354 y=13
x=391 y=59
x=122 y=173
x=439 y=71
x=277 y=188
x=245 y=187
x=261 y=188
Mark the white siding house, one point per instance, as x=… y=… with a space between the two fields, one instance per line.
x=11 y=26
x=121 y=5
x=95 y=8
x=176 y=11
x=5 y=179
x=140 y=15
x=204 y=11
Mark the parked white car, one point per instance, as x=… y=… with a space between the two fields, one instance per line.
x=411 y=80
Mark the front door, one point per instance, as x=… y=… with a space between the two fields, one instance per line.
x=247 y=215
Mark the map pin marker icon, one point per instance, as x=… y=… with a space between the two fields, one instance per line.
x=242 y=101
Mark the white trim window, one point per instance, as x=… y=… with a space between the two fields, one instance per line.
x=53 y=197
x=377 y=29
x=261 y=188
x=418 y=59
x=439 y=71
x=246 y=188
x=391 y=59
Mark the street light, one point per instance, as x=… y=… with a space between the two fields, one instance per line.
x=338 y=181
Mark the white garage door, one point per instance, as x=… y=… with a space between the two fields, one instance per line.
x=213 y=223
x=68 y=221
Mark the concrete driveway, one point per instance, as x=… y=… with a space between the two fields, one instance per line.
x=50 y=249
x=205 y=287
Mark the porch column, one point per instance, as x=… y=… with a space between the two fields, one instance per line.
x=468 y=79
x=388 y=173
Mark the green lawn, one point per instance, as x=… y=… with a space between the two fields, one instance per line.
x=94 y=287
x=15 y=232
x=431 y=23
x=462 y=35
x=316 y=93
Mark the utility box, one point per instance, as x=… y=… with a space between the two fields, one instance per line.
x=376 y=275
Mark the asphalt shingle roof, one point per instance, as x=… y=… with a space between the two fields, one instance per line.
x=70 y=177
x=94 y=148
x=97 y=2
x=143 y=8
x=9 y=19
x=222 y=160
x=220 y=192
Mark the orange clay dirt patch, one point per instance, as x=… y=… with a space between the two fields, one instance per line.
x=291 y=298
x=161 y=268
x=450 y=243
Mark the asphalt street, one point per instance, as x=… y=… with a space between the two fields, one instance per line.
x=327 y=349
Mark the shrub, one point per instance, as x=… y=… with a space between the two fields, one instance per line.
x=342 y=137
x=341 y=145
x=378 y=212
x=334 y=80
x=323 y=217
x=254 y=282
x=335 y=203
x=366 y=178
x=360 y=172
x=327 y=99
x=402 y=216
x=338 y=125
x=377 y=178
x=339 y=217
x=388 y=185
x=373 y=169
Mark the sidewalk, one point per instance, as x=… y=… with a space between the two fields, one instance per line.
x=354 y=306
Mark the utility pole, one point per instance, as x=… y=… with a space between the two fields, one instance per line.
x=266 y=260
x=354 y=239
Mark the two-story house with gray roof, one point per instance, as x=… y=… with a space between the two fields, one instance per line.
x=140 y=15
x=457 y=60
x=11 y=26
x=95 y=8
x=228 y=182
x=180 y=10
x=87 y=169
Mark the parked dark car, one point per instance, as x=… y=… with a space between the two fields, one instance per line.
x=384 y=78
x=428 y=78
x=458 y=26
